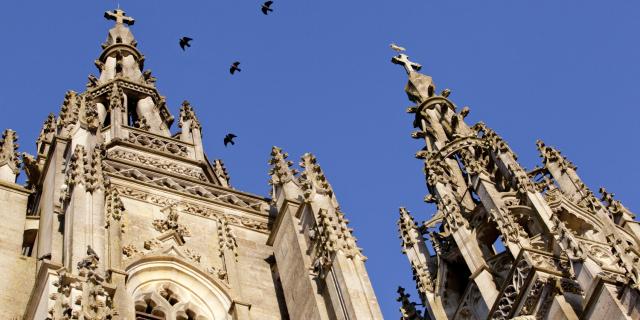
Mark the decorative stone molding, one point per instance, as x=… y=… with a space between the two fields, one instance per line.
x=157 y=143
x=226 y=238
x=193 y=208
x=510 y=294
x=207 y=193
x=156 y=163
x=114 y=208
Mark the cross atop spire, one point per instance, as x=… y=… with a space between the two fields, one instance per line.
x=409 y=66
x=119 y=17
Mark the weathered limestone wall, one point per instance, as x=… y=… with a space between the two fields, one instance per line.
x=17 y=273
x=301 y=298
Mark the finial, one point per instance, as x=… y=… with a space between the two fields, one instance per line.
x=409 y=66
x=119 y=17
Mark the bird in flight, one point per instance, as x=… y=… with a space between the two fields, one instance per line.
x=184 y=42
x=229 y=139
x=234 y=67
x=266 y=7
x=397 y=48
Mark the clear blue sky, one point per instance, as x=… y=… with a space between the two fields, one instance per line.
x=316 y=77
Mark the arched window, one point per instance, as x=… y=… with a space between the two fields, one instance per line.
x=169 y=288
x=167 y=301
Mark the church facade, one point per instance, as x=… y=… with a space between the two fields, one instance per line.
x=506 y=243
x=122 y=219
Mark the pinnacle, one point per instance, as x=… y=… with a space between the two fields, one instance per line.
x=280 y=170
x=8 y=149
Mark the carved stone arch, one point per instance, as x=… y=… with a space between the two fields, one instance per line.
x=189 y=292
x=151 y=303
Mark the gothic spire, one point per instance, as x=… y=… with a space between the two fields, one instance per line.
x=420 y=87
x=119 y=57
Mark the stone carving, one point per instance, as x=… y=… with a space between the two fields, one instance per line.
x=48 y=129
x=511 y=292
x=130 y=250
x=68 y=115
x=8 y=151
x=221 y=173
x=280 y=170
x=152 y=244
x=142 y=124
x=192 y=255
x=188 y=115
x=83 y=296
x=170 y=223
x=226 y=239
x=192 y=208
x=452 y=214
x=148 y=78
x=114 y=208
x=329 y=236
x=219 y=273
x=157 y=143
x=157 y=163
x=408 y=310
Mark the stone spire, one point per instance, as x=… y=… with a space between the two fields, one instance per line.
x=485 y=198
x=120 y=57
x=420 y=87
x=9 y=160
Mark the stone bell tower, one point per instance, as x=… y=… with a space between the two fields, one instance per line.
x=123 y=219
x=506 y=242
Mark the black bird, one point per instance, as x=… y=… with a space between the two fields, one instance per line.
x=184 y=41
x=234 y=67
x=45 y=256
x=229 y=139
x=90 y=252
x=266 y=7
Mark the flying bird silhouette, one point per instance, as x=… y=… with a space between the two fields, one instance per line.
x=229 y=139
x=397 y=48
x=184 y=41
x=234 y=67
x=266 y=7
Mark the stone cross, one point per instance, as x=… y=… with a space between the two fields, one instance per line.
x=409 y=66
x=119 y=17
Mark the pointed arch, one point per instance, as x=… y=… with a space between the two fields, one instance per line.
x=172 y=288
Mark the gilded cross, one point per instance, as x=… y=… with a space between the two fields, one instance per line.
x=409 y=66
x=119 y=17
